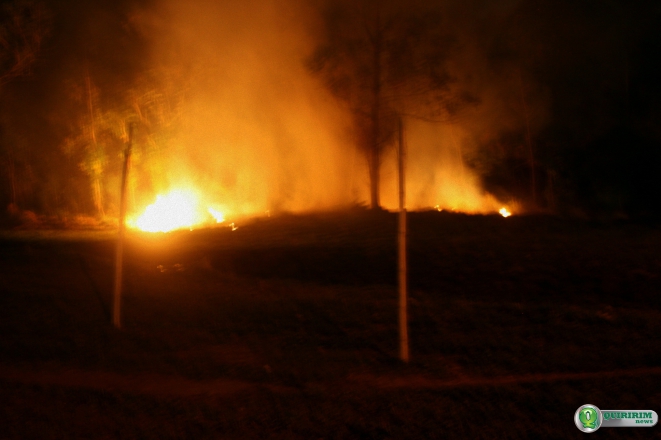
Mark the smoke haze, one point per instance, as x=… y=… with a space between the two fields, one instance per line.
x=260 y=133
x=226 y=106
x=257 y=132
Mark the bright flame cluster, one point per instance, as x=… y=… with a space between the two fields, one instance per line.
x=179 y=209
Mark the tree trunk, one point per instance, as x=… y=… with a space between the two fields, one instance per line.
x=96 y=174
x=11 y=165
x=98 y=196
x=375 y=145
x=531 y=155
x=373 y=159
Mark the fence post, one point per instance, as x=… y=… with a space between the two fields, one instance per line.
x=117 y=295
x=403 y=314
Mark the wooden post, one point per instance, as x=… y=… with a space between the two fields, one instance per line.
x=403 y=316
x=117 y=295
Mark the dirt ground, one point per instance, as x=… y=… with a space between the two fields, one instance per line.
x=287 y=328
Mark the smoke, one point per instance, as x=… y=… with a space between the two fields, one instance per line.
x=228 y=108
x=487 y=61
x=257 y=133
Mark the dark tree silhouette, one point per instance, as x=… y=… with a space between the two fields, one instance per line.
x=23 y=26
x=385 y=60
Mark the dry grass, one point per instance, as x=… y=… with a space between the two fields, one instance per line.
x=286 y=328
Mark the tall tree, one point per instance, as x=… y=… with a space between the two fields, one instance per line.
x=385 y=60
x=23 y=26
x=99 y=132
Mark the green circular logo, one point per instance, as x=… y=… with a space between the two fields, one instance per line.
x=588 y=418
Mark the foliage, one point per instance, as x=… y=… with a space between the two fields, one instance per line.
x=23 y=26
x=98 y=137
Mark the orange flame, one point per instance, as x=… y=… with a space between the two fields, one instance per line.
x=178 y=209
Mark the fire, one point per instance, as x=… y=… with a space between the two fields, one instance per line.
x=217 y=215
x=178 y=209
x=504 y=212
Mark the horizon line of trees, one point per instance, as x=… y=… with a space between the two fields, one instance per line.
x=383 y=60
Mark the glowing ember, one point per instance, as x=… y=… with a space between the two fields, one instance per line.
x=504 y=212
x=179 y=209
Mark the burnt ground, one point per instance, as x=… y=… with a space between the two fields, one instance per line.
x=287 y=328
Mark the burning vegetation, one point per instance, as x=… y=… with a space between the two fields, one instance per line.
x=252 y=106
x=176 y=210
x=206 y=112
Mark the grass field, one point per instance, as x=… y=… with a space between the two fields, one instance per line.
x=287 y=328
